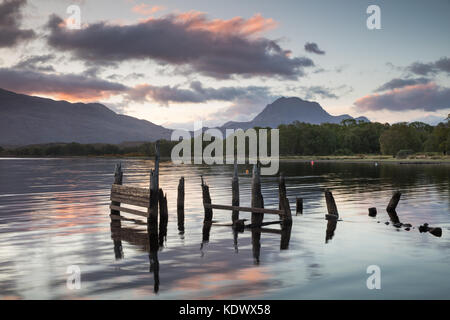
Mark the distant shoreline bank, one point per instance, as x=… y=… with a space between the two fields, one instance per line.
x=318 y=159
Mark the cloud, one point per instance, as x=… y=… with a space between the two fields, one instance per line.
x=195 y=94
x=428 y=97
x=10 y=19
x=71 y=87
x=145 y=9
x=36 y=62
x=400 y=83
x=313 y=48
x=423 y=69
x=216 y=48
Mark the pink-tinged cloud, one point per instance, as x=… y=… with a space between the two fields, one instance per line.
x=257 y=24
x=69 y=87
x=189 y=41
x=429 y=97
x=146 y=10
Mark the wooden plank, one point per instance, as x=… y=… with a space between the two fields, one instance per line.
x=130 y=191
x=130 y=200
x=128 y=210
x=245 y=209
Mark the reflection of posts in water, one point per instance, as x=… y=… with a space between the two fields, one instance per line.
x=206 y=200
x=118 y=177
x=180 y=205
x=285 y=236
x=331 y=227
x=394 y=217
x=256 y=244
x=235 y=241
x=115 y=235
x=164 y=217
x=257 y=198
x=205 y=234
x=153 y=255
x=235 y=193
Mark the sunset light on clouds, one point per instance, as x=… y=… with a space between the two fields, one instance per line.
x=218 y=63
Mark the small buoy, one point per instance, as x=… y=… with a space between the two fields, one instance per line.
x=312 y=162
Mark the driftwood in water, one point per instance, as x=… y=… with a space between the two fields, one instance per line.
x=206 y=202
x=180 y=205
x=331 y=204
x=118 y=178
x=257 y=198
x=372 y=212
x=393 y=202
x=163 y=217
x=437 y=232
x=299 y=206
x=235 y=193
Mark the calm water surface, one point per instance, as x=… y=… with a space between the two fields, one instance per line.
x=54 y=213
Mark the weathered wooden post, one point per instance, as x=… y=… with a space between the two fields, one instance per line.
x=154 y=189
x=372 y=212
x=299 y=206
x=206 y=201
x=163 y=216
x=281 y=190
x=257 y=198
x=331 y=205
x=235 y=193
x=180 y=205
x=118 y=178
x=393 y=202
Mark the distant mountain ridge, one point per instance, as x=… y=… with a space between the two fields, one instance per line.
x=287 y=110
x=28 y=120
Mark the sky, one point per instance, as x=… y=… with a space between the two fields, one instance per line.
x=174 y=62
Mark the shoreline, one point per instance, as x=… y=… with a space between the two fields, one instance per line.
x=323 y=159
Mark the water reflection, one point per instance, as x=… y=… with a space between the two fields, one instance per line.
x=54 y=213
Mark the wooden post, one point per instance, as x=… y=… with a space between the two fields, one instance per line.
x=331 y=227
x=257 y=198
x=235 y=193
x=287 y=217
x=154 y=187
x=163 y=217
x=118 y=177
x=299 y=206
x=331 y=204
x=281 y=190
x=206 y=200
x=180 y=205
x=372 y=212
x=394 y=202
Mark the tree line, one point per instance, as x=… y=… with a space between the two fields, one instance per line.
x=350 y=137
